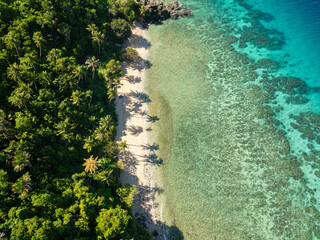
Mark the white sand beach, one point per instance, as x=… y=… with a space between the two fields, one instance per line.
x=131 y=107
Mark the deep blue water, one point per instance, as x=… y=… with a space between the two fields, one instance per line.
x=299 y=20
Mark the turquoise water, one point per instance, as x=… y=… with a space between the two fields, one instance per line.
x=236 y=89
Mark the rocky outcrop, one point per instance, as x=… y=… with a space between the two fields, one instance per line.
x=155 y=12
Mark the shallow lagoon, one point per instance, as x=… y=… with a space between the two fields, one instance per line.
x=239 y=123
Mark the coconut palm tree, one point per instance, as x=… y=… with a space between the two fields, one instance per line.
x=98 y=37
x=91 y=164
x=11 y=40
x=29 y=60
x=123 y=145
x=14 y=72
x=106 y=177
x=21 y=95
x=21 y=161
x=53 y=56
x=112 y=93
x=23 y=185
x=5 y=126
x=93 y=63
x=99 y=134
x=89 y=95
x=89 y=144
x=38 y=40
x=92 y=28
x=79 y=72
x=76 y=98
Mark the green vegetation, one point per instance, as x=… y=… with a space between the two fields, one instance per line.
x=130 y=54
x=59 y=66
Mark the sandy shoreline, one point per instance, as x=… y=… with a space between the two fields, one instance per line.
x=131 y=108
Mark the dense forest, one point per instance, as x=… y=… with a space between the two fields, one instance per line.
x=59 y=66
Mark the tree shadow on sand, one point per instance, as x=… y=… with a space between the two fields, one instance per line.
x=134 y=130
x=140 y=96
x=136 y=107
x=151 y=147
x=137 y=41
x=144 y=219
x=144 y=204
x=154 y=159
x=133 y=79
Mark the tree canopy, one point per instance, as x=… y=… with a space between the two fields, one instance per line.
x=59 y=66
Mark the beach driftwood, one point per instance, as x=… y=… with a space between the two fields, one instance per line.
x=156 y=12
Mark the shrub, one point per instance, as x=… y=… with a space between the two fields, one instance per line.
x=120 y=29
x=130 y=54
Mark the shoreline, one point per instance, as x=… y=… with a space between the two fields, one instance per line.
x=131 y=108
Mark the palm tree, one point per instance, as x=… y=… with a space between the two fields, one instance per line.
x=105 y=121
x=64 y=128
x=91 y=164
x=79 y=72
x=94 y=63
x=98 y=37
x=14 y=72
x=92 y=28
x=106 y=177
x=5 y=126
x=122 y=145
x=76 y=97
x=89 y=143
x=89 y=95
x=112 y=93
x=99 y=134
x=21 y=161
x=23 y=185
x=54 y=55
x=21 y=95
x=11 y=40
x=38 y=40
x=27 y=62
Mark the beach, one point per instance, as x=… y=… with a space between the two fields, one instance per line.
x=133 y=127
x=237 y=107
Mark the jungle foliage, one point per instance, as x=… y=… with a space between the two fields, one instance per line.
x=59 y=67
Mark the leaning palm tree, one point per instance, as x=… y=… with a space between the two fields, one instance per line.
x=11 y=41
x=98 y=37
x=29 y=60
x=38 y=40
x=94 y=63
x=91 y=164
x=112 y=93
x=76 y=98
x=79 y=72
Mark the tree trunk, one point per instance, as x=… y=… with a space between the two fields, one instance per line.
x=17 y=50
